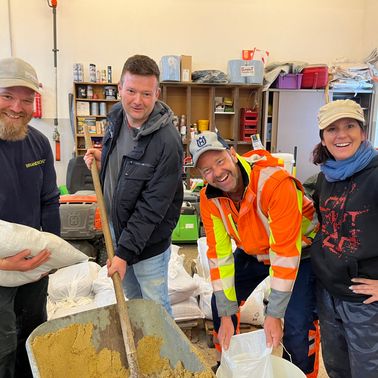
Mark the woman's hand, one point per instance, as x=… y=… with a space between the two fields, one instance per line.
x=367 y=287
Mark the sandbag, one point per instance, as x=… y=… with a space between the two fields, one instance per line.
x=16 y=237
x=181 y=285
x=253 y=309
x=73 y=281
x=187 y=310
x=247 y=357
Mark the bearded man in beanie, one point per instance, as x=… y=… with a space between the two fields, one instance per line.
x=28 y=196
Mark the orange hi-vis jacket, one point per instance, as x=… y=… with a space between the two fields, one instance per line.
x=273 y=221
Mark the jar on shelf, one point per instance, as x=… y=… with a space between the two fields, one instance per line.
x=82 y=91
x=89 y=91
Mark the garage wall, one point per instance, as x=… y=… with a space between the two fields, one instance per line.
x=212 y=31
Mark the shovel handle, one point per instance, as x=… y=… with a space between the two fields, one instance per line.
x=127 y=332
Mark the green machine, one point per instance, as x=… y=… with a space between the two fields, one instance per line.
x=188 y=225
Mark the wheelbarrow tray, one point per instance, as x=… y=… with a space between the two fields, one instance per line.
x=147 y=319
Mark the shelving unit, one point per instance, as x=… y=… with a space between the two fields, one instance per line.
x=91 y=111
x=197 y=101
x=291 y=116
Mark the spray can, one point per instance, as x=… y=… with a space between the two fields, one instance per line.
x=109 y=74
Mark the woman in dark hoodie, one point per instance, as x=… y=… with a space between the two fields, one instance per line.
x=345 y=251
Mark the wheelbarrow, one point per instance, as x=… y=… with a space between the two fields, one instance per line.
x=147 y=319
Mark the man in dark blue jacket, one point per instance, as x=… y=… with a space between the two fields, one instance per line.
x=28 y=196
x=141 y=165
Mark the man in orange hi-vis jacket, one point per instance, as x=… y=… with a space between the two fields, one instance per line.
x=255 y=202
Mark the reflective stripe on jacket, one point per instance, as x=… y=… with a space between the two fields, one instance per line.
x=272 y=217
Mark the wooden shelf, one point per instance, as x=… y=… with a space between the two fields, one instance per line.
x=91 y=116
x=197 y=101
x=93 y=122
x=91 y=135
x=77 y=83
x=95 y=99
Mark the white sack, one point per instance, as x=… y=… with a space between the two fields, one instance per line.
x=187 y=310
x=73 y=281
x=102 y=282
x=103 y=289
x=252 y=311
x=247 y=357
x=15 y=237
x=205 y=292
x=181 y=285
x=69 y=307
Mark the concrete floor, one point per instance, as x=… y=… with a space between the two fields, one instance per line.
x=198 y=334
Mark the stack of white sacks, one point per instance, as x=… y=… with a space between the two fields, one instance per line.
x=86 y=286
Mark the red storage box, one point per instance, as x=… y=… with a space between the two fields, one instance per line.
x=248 y=124
x=314 y=77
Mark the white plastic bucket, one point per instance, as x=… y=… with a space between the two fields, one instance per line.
x=248 y=357
x=285 y=369
x=287 y=159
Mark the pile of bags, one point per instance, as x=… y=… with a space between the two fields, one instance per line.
x=85 y=286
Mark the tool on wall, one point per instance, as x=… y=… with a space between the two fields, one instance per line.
x=56 y=135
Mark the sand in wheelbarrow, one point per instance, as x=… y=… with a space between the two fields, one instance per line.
x=74 y=343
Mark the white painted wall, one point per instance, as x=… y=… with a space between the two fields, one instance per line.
x=212 y=31
x=5 y=48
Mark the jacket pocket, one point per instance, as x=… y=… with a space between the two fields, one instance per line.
x=135 y=170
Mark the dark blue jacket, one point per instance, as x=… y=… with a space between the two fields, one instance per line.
x=28 y=190
x=149 y=192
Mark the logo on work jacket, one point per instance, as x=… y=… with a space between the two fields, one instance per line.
x=35 y=163
x=201 y=141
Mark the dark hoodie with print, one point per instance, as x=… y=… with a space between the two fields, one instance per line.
x=149 y=191
x=346 y=247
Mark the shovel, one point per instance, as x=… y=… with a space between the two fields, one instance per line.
x=127 y=332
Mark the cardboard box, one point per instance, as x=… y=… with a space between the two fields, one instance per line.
x=186 y=68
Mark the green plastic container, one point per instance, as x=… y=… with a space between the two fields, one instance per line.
x=63 y=190
x=186 y=230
